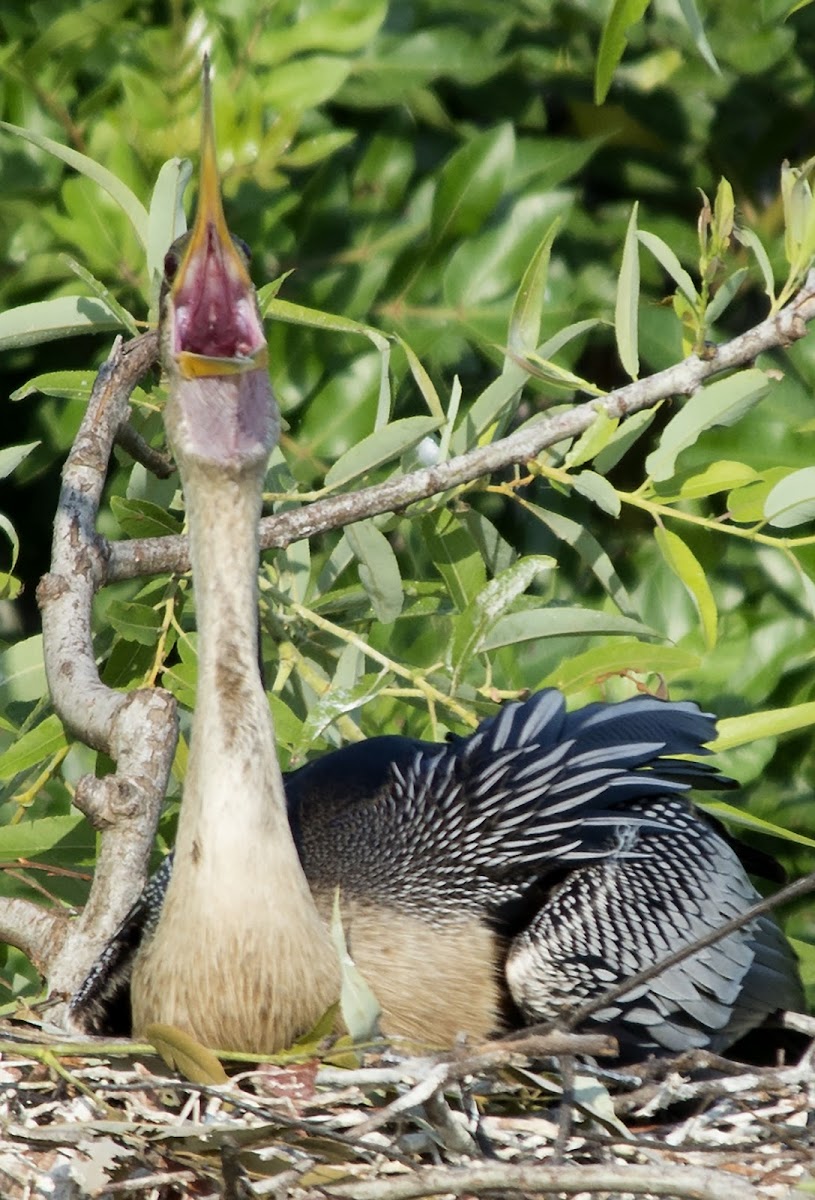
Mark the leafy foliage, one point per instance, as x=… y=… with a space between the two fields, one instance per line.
x=459 y=238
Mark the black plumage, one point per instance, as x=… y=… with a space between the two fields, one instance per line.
x=568 y=834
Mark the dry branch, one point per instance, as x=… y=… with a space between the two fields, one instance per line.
x=137 y=729
x=531 y=1179
x=152 y=556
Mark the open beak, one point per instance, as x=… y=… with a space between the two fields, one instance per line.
x=216 y=329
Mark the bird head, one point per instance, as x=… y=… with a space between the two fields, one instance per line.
x=220 y=404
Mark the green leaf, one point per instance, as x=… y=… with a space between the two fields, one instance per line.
x=746 y=504
x=525 y=318
x=288 y=728
x=744 y=820
x=740 y=731
x=378 y=569
x=142 y=518
x=10 y=585
x=597 y=488
x=22 y=671
x=32 y=839
x=298 y=314
x=312 y=150
x=11 y=534
x=561 y=622
x=378 y=448
x=796 y=195
x=423 y=382
x=340 y=26
x=590 y=551
x=333 y=703
x=103 y=293
x=621 y=441
x=665 y=256
x=133 y=209
x=693 y=21
x=592 y=440
x=12 y=456
x=305 y=82
x=33 y=747
x=67 y=316
x=455 y=556
x=792 y=501
x=569 y=332
x=720 y=403
x=749 y=237
x=293 y=567
x=495 y=404
x=684 y=564
x=720 y=476
x=619 y=658
x=495 y=550
x=543 y=368
x=135 y=622
x=725 y=294
x=184 y=1054
x=491 y=602
x=67 y=385
x=622 y=15
x=359 y=1006
x=166 y=220
x=471 y=183
x=628 y=301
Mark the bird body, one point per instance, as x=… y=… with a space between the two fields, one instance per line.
x=238 y=886
x=492 y=881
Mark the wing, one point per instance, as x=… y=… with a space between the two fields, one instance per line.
x=477 y=822
x=101 y=1005
x=616 y=917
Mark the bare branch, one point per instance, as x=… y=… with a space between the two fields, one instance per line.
x=138 y=729
x=37 y=931
x=127 y=560
x=158 y=463
x=528 y=1178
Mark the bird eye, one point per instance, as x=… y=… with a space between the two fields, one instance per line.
x=170 y=265
x=242 y=246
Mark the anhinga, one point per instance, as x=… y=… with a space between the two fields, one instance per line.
x=496 y=879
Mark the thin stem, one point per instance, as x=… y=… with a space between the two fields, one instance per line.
x=429 y=692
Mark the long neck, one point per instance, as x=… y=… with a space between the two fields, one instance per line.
x=233 y=780
x=240 y=957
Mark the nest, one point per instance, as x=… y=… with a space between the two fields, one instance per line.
x=109 y=1120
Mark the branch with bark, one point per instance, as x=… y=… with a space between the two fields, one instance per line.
x=537 y=1179
x=138 y=729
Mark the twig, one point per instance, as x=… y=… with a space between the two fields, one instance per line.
x=661 y=1180
x=435 y=1076
x=159 y=464
x=177 y=1180
x=152 y=556
x=565 y=1118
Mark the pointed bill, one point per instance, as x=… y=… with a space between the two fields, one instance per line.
x=216 y=329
